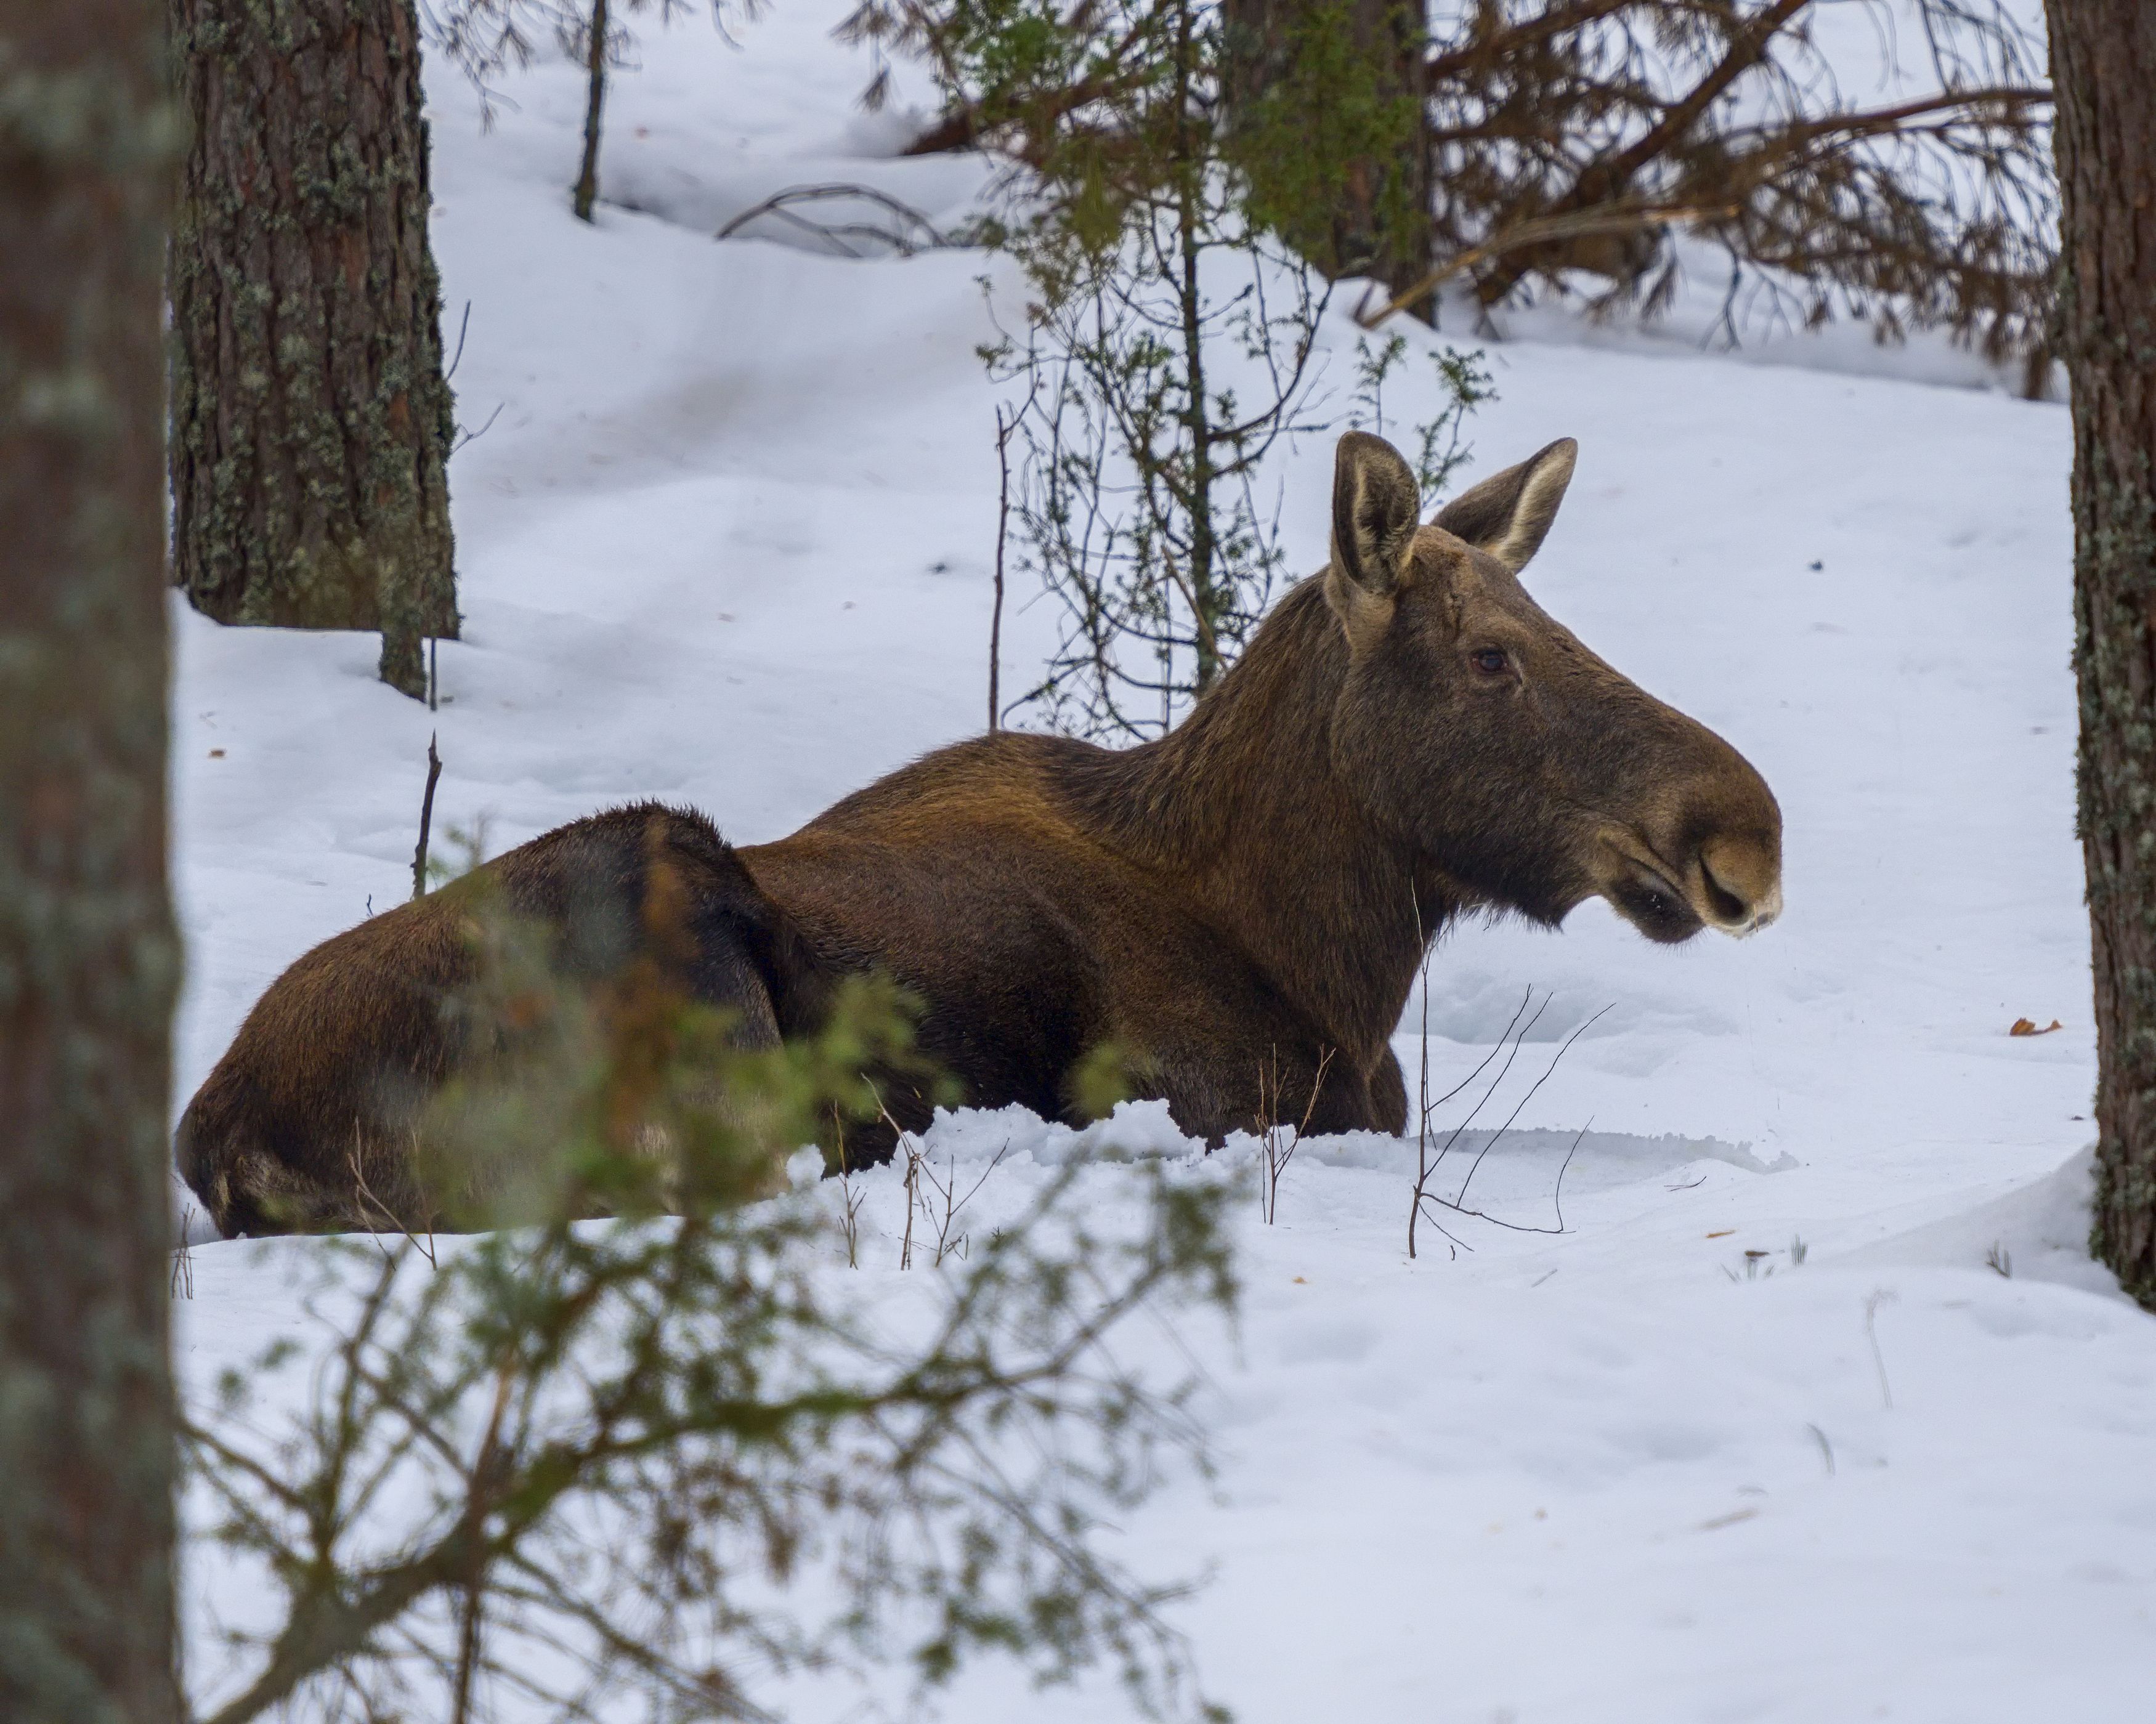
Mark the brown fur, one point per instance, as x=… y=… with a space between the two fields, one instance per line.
x=1239 y=907
x=306 y=1123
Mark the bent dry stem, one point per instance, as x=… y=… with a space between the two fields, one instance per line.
x=1427 y=1165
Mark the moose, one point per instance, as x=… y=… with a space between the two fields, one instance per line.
x=1243 y=902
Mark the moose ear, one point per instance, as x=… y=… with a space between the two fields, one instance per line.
x=1376 y=509
x=1509 y=512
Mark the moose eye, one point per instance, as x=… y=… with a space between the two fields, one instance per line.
x=1490 y=661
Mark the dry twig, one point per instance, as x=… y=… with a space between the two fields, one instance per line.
x=912 y=231
x=426 y=821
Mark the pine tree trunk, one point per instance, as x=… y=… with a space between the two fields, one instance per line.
x=2104 y=58
x=88 y=962
x=1336 y=69
x=311 y=424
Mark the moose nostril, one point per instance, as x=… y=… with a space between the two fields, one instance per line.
x=1728 y=907
x=1741 y=881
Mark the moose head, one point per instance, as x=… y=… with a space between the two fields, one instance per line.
x=1480 y=730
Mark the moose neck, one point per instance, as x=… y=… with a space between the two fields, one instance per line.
x=1241 y=805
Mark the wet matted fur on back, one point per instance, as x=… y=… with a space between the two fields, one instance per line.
x=307 y=1123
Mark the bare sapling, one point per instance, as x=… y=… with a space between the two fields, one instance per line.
x=184 y=1255
x=1425 y=1197
x=943 y=1202
x=911 y=1148
x=1006 y=422
x=936 y=1199
x=1278 y=1142
x=1426 y=1165
x=850 y=1200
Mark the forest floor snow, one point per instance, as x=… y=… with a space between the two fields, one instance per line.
x=727 y=539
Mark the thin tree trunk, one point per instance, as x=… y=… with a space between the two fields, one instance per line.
x=2104 y=58
x=587 y=179
x=1004 y=426
x=1205 y=601
x=312 y=424
x=88 y=961
x=1333 y=69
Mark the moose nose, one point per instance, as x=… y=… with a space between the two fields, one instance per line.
x=1740 y=886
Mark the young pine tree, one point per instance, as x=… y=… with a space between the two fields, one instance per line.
x=1179 y=167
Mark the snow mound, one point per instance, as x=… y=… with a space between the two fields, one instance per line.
x=2037 y=1231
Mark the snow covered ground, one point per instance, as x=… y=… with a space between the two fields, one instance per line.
x=727 y=540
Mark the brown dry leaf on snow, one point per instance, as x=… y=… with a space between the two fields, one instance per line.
x=2023 y=1026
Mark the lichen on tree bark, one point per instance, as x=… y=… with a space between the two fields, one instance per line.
x=2103 y=55
x=311 y=420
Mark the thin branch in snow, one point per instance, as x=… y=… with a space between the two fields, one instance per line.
x=1879 y=1296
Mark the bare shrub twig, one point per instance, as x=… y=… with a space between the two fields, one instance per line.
x=1278 y=1142
x=1427 y=1165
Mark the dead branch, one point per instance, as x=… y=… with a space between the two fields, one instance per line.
x=426 y=821
x=1932 y=211
x=906 y=237
x=1543 y=230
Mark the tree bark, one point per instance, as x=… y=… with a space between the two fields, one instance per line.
x=1339 y=75
x=587 y=191
x=88 y=962
x=310 y=421
x=2104 y=58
